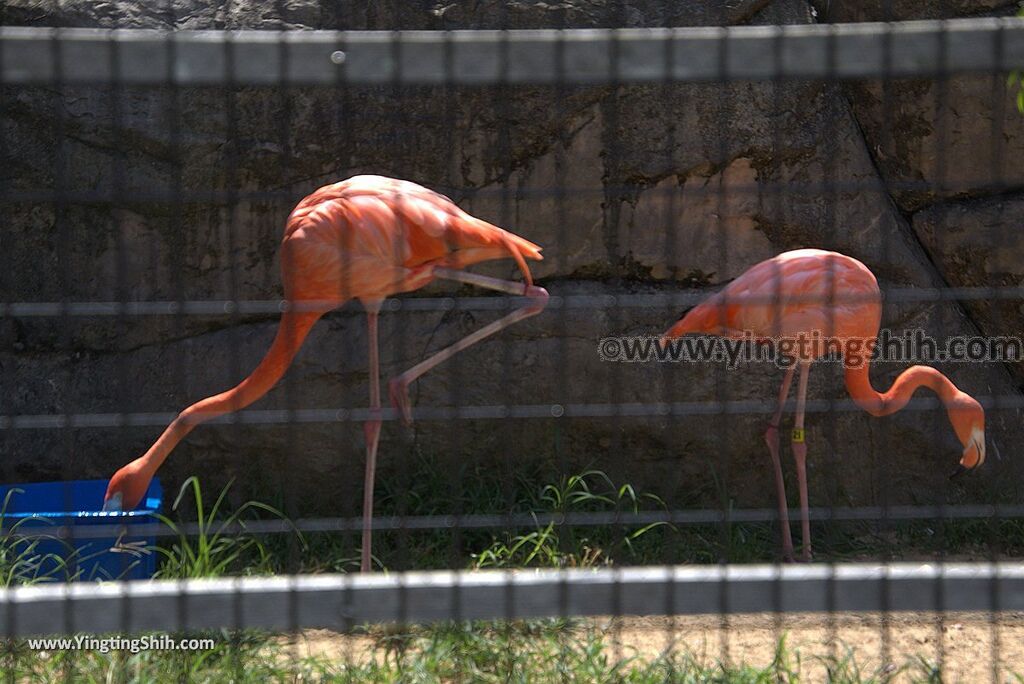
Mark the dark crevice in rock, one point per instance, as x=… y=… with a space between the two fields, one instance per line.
x=871 y=154
x=749 y=12
x=881 y=178
x=906 y=222
x=1011 y=193
x=584 y=116
x=83 y=350
x=97 y=136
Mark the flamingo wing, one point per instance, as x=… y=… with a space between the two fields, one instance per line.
x=804 y=291
x=371 y=236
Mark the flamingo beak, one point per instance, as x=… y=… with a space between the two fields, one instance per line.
x=974 y=453
x=960 y=470
x=113 y=504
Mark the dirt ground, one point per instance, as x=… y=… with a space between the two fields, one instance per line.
x=966 y=644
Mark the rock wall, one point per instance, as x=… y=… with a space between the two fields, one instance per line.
x=632 y=190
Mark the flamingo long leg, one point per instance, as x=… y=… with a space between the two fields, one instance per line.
x=800 y=455
x=771 y=437
x=398 y=387
x=372 y=431
x=508 y=286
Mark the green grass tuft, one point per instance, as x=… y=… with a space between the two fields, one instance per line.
x=219 y=548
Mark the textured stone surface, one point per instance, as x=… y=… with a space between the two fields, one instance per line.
x=636 y=190
x=902 y=10
x=976 y=244
x=935 y=142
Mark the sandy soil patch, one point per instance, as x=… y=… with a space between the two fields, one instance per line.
x=967 y=645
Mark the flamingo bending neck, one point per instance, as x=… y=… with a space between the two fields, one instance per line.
x=128 y=485
x=965 y=414
x=858 y=383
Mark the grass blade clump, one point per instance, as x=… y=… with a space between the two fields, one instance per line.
x=221 y=544
x=548 y=545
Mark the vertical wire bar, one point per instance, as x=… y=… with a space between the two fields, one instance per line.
x=562 y=396
x=292 y=437
x=885 y=626
x=618 y=258
x=502 y=97
x=64 y=238
x=722 y=247
x=7 y=374
x=938 y=420
x=60 y=221
x=122 y=292
x=778 y=194
x=450 y=92
x=182 y=361
x=668 y=374
x=353 y=319
x=832 y=198
x=397 y=94
x=343 y=107
x=285 y=92
x=358 y=317
x=997 y=184
x=234 y=367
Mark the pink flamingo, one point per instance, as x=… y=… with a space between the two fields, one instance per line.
x=808 y=294
x=366 y=238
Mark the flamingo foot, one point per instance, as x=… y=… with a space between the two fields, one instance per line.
x=790 y=558
x=788 y=554
x=398 y=390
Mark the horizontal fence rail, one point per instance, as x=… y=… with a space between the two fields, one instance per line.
x=216 y=307
x=139 y=56
x=104 y=194
x=344 y=601
x=492 y=412
x=496 y=521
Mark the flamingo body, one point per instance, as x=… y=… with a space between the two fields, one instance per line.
x=370 y=237
x=366 y=238
x=797 y=294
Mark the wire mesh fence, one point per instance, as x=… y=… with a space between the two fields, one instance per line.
x=150 y=175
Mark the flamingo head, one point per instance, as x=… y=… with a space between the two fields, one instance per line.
x=968 y=419
x=126 y=488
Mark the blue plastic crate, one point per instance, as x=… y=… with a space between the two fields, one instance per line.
x=100 y=546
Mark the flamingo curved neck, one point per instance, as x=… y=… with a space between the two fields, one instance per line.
x=291 y=333
x=858 y=383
